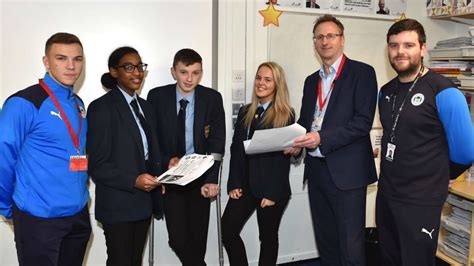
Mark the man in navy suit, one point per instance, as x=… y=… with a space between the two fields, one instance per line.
x=191 y=118
x=337 y=110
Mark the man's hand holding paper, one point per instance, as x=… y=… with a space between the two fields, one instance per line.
x=310 y=140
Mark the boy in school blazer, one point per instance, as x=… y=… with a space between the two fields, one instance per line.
x=187 y=208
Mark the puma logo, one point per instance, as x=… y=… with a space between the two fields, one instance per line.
x=56 y=114
x=423 y=230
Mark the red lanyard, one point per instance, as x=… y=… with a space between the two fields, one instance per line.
x=320 y=89
x=74 y=138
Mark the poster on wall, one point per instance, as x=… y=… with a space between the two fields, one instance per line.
x=370 y=7
x=324 y=4
x=359 y=6
x=291 y=3
x=392 y=7
x=317 y=4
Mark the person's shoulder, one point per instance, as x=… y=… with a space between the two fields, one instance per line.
x=162 y=89
x=102 y=102
x=207 y=91
x=79 y=98
x=33 y=94
x=144 y=102
x=360 y=65
x=244 y=108
x=389 y=85
x=438 y=82
x=313 y=76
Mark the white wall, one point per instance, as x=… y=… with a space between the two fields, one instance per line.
x=157 y=29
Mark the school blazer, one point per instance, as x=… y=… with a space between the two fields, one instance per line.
x=116 y=158
x=208 y=128
x=265 y=174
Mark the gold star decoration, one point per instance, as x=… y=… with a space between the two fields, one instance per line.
x=270 y=15
x=402 y=17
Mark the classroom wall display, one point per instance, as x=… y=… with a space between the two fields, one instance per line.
x=463 y=7
x=439 y=7
x=367 y=7
x=392 y=7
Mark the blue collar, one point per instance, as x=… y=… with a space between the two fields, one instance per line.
x=128 y=98
x=56 y=87
x=189 y=97
x=265 y=105
x=332 y=70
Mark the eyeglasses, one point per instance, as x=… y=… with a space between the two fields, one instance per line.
x=329 y=37
x=129 y=68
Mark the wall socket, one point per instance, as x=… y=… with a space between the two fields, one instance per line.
x=238 y=76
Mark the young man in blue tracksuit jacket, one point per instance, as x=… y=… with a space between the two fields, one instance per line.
x=43 y=174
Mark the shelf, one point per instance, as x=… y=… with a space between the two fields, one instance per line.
x=455 y=16
x=453 y=12
x=447 y=259
x=461 y=53
x=464 y=189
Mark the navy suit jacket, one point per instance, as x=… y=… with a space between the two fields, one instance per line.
x=208 y=128
x=345 y=139
x=116 y=159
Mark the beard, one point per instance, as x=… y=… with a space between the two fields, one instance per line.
x=408 y=71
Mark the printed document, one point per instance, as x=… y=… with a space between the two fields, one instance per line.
x=274 y=139
x=189 y=168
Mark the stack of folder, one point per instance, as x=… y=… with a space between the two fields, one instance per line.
x=457 y=225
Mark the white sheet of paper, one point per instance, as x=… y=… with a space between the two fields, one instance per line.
x=275 y=139
x=189 y=168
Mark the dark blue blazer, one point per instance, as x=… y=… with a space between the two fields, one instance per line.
x=345 y=140
x=208 y=128
x=115 y=150
x=265 y=174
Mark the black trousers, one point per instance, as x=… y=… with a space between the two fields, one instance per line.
x=236 y=214
x=408 y=233
x=51 y=241
x=187 y=220
x=338 y=218
x=125 y=242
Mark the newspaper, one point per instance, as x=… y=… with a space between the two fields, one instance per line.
x=189 y=168
x=275 y=139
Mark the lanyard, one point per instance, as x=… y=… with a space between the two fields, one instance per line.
x=320 y=89
x=75 y=139
x=397 y=115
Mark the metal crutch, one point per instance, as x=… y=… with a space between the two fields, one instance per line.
x=218 y=214
x=151 y=242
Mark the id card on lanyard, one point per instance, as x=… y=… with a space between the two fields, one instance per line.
x=318 y=120
x=77 y=162
x=391 y=146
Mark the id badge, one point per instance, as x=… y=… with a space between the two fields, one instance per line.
x=78 y=163
x=317 y=123
x=390 y=155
